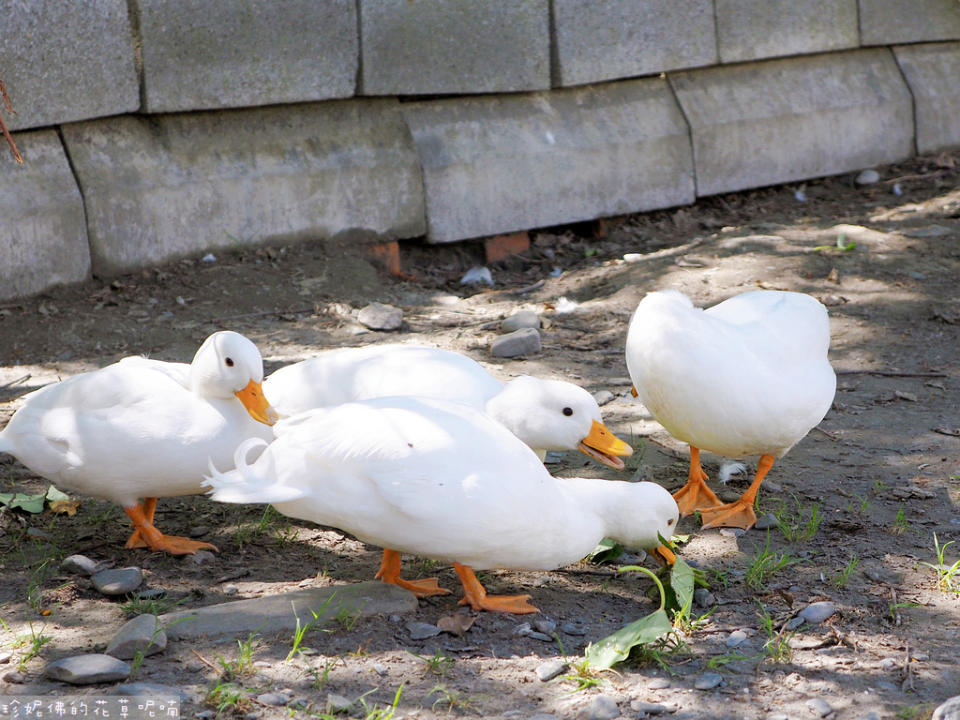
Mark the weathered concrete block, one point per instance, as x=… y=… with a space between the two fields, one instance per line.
x=43 y=236
x=756 y=29
x=65 y=61
x=432 y=47
x=783 y=120
x=161 y=187
x=933 y=73
x=495 y=165
x=608 y=39
x=205 y=55
x=885 y=22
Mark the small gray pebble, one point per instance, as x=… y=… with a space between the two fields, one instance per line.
x=517 y=343
x=230 y=589
x=338 y=703
x=543 y=637
x=949 y=710
x=551 y=669
x=519 y=320
x=819 y=706
x=251 y=716
x=380 y=669
x=5 y=656
x=394 y=618
x=872 y=715
x=151 y=593
x=143 y=634
x=201 y=557
x=708 y=681
x=38 y=533
x=693 y=563
x=422 y=630
x=889 y=686
x=732 y=532
x=199 y=531
x=14 y=677
x=573 y=629
x=117 y=582
x=300 y=702
x=205 y=714
x=818 y=612
x=522 y=630
x=736 y=638
x=603 y=707
x=603 y=397
x=81 y=565
x=867 y=177
x=658 y=683
x=774 y=486
x=794 y=622
x=704 y=598
x=378 y=316
x=88 y=669
x=888 y=663
x=545 y=625
x=273 y=698
x=553 y=457
x=765 y=522
x=648 y=708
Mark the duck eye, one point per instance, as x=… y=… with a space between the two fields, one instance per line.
x=568 y=411
x=229 y=362
x=670 y=521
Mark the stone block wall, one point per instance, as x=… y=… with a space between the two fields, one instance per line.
x=154 y=129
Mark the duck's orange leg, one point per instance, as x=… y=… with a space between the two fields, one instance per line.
x=149 y=508
x=476 y=596
x=695 y=496
x=389 y=572
x=739 y=513
x=156 y=540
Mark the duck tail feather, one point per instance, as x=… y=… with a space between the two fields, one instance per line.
x=243 y=485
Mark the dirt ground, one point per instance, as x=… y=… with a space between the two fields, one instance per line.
x=863 y=493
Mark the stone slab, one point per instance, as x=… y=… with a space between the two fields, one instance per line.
x=757 y=29
x=162 y=187
x=279 y=613
x=43 y=238
x=201 y=55
x=933 y=74
x=66 y=61
x=432 y=47
x=780 y=121
x=599 y=40
x=500 y=164
x=886 y=22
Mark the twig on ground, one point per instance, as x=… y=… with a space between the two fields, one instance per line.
x=892 y=373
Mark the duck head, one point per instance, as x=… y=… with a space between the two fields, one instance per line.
x=229 y=365
x=555 y=415
x=646 y=514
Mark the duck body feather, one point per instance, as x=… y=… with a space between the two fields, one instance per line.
x=440 y=480
x=748 y=376
x=351 y=374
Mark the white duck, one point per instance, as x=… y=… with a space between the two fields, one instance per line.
x=749 y=376
x=441 y=480
x=544 y=414
x=144 y=428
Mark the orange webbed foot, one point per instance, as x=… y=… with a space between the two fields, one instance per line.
x=389 y=572
x=477 y=598
x=146 y=535
x=737 y=514
x=695 y=496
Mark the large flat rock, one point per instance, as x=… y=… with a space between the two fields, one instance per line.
x=66 y=61
x=277 y=613
x=784 y=120
x=600 y=40
x=933 y=74
x=162 y=187
x=432 y=47
x=756 y=29
x=885 y=22
x=498 y=164
x=201 y=55
x=43 y=236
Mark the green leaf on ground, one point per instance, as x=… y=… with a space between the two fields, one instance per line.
x=616 y=647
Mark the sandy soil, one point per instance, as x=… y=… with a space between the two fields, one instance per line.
x=882 y=472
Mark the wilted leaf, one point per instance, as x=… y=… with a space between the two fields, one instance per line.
x=65 y=507
x=616 y=647
x=29 y=503
x=456 y=624
x=53 y=494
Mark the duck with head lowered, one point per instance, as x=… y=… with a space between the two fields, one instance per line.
x=543 y=414
x=749 y=376
x=142 y=429
x=444 y=481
